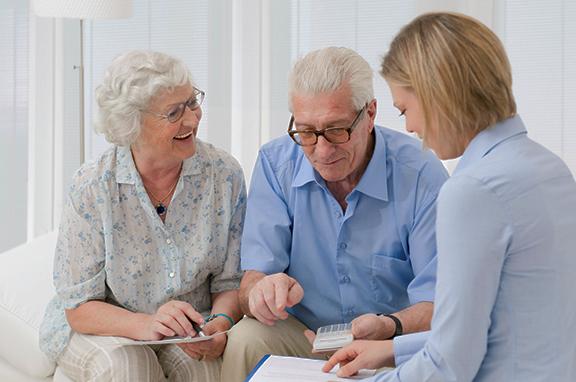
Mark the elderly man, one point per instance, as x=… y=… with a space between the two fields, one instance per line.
x=340 y=221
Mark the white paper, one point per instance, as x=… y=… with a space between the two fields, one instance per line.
x=172 y=340
x=290 y=369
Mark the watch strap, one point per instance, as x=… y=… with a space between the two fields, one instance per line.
x=399 y=330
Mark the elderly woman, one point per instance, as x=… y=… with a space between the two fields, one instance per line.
x=506 y=220
x=149 y=238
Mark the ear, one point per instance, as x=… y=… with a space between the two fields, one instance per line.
x=371 y=111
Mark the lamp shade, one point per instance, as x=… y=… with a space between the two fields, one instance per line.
x=83 y=9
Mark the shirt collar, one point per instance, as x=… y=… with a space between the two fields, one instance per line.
x=372 y=183
x=488 y=139
x=126 y=169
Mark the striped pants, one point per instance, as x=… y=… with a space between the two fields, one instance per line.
x=100 y=358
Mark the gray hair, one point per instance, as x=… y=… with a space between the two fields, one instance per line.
x=129 y=84
x=325 y=70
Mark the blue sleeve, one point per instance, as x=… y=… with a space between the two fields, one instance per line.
x=267 y=236
x=407 y=345
x=473 y=236
x=422 y=238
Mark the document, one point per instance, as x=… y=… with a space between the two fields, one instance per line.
x=289 y=369
x=172 y=340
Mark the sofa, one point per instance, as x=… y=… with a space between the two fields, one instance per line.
x=25 y=290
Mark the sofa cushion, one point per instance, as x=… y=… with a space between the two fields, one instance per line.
x=25 y=290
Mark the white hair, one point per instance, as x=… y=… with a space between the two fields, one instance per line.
x=129 y=84
x=325 y=70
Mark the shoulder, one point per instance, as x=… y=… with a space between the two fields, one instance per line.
x=93 y=174
x=407 y=157
x=281 y=152
x=222 y=164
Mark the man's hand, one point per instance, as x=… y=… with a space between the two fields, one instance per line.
x=361 y=354
x=372 y=327
x=271 y=295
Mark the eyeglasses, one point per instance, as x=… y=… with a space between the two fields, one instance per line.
x=178 y=110
x=336 y=135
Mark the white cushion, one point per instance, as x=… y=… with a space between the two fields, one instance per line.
x=25 y=290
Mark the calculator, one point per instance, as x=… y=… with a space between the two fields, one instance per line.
x=332 y=337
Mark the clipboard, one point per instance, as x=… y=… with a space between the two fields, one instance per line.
x=174 y=340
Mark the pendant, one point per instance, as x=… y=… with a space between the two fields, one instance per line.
x=160 y=209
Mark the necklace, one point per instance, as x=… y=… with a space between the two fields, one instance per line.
x=161 y=207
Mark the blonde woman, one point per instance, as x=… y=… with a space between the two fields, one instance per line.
x=506 y=221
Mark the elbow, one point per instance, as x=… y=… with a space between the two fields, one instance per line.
x=75 y=319
x=72 y=318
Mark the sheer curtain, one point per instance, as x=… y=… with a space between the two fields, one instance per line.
x=13 y=122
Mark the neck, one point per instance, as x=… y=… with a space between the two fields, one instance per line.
x=156 y=173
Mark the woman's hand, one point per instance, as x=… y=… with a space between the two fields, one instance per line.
x=174 y=318
x=361 y=354
x=210 y=349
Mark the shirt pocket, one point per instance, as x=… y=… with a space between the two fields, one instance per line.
x=389 y=280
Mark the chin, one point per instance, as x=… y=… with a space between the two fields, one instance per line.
x=332 y=175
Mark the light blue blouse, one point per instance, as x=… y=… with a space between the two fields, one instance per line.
x=113 y=246
x=505 y=307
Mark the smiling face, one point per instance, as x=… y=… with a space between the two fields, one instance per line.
x=165 y=141
x=343 y=162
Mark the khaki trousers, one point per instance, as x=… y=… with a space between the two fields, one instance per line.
x=101 y=358
x=249 y=340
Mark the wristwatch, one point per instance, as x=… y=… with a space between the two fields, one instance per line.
x=398 y=331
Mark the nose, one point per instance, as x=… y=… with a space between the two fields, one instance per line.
x=192 y=115
x=323 y=148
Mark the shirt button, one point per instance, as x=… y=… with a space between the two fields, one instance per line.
x=345 y=280
x=343 y=245
x=172 y=274
x=168 y=241
x=350 y=311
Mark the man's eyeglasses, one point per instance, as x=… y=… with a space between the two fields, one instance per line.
x=336 y=135
x=174 y=114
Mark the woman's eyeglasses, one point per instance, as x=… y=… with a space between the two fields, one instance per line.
x=177 y=111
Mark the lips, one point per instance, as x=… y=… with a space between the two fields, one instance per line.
x=184 y=136
x=329 y=163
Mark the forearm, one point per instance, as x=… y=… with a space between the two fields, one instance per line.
x=249 y=279
x=104 y=319
x=227 y=303
x=415 y=318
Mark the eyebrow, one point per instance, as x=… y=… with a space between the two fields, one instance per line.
x=180 y=103
x=331 y=123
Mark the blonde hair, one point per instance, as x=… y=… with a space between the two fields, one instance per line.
x=459 y=72
x=325 y=70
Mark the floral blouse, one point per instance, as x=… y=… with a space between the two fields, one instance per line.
x=113 y=246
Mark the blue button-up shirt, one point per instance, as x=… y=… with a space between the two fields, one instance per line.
x=377 y=256
x=505 y=307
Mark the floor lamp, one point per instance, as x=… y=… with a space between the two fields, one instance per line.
x=82 y=10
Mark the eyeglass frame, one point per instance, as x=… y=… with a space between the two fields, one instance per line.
x=197 y=92
x=318 y=133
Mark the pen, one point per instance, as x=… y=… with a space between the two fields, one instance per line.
x=198 y=329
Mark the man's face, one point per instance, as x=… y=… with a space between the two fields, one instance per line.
x=335 y=162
